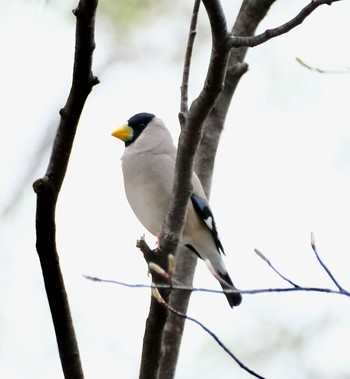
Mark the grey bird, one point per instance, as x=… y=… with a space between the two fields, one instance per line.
x=148 y=165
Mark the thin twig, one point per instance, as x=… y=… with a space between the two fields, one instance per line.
x=187 y=63
x=319 y=70
x=313 y=245
x=209 y=290
x=262 y=256
x=217 y=340
x=237 y=41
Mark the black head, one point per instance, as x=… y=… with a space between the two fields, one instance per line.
x=138 y=123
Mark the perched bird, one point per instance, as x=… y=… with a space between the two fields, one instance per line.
x=148 y=165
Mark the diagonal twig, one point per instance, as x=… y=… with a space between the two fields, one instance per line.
x=217 y=340
x=320 y=70
x=313 y=245
x=264 y=258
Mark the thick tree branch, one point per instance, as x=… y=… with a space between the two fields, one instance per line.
x=152 y=348
x=191 y=135
x=48 y=188
x=249 y=17
x=193 y=125
x=152 y=351
x=192 y=130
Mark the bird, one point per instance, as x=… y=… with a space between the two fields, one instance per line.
x=148 y=166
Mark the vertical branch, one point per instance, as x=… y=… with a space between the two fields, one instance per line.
x=192 y=130
x=187 y=63
x=48 y=188
x=189 y=140
x=185 y=262
x=152 y=347
x=179 y=300
x=191 y=134
x=250 y=15
x=152 y=351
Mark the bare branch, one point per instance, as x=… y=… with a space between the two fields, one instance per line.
x=251 y=13
x=217 y=340
x=158 y=265
x=178 y=287
x=48 y=188
x=152 y=342
x=192 y=131
x=237 y=41
x=223 y=43
x=162 y=304
x=262 y=256
x=319 y=70
x=295 y=287
x=190 y=137
x=313 y=245
x=187 y=63
x=152 y=348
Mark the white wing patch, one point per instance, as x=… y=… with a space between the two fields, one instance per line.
x=209 y=221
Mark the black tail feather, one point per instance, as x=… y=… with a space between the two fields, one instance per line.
x=234 y=298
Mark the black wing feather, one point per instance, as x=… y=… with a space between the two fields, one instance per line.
x=202 y=209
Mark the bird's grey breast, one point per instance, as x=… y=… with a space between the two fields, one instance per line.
x=148 y=180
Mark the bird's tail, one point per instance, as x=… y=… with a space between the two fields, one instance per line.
x=234 y=298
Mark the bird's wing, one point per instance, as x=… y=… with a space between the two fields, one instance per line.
x=201 y=206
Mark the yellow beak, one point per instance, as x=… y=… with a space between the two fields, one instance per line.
x=124 y=132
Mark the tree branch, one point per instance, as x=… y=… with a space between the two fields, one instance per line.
x=313 y=245
x=320 y=70
x=187 y=64
x=152 y=362
x=250 y=15
x=262 y=256
x=217 y=340
x=237 y=41
x=192 y=131
x=193 y=125
x=152 y=348
x=169 y=370
x=189 y=140
x=48 y=188
x=179 y=314
x=254 y=291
